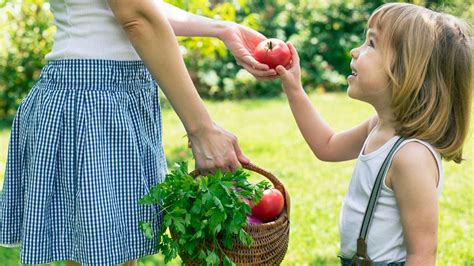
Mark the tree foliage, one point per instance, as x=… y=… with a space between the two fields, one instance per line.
x=27 y=37
x=324 y=32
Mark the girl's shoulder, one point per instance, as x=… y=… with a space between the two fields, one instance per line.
x=416 y=161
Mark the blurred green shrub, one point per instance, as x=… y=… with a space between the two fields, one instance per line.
x=322 y=31
x=211 y=66
x=27 y=37
x=326 y=31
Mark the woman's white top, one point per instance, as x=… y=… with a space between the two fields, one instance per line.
x=385 y=241
x=87 y=29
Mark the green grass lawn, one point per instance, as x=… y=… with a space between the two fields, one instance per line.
x=269 y=136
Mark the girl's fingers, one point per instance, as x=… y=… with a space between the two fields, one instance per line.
x=294 y=53
x=281 y=71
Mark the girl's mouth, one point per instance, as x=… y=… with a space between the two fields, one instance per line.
x=352 y=76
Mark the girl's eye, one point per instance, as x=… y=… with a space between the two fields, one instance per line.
x=371 y=43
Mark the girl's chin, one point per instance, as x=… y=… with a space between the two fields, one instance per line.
x=350 y=91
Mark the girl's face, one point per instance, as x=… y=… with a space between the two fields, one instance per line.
x=368 y=81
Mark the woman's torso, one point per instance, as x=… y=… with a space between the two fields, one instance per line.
x=87 y=29
x=385 y=240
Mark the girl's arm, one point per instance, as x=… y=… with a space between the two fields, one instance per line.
x=240 y=40
x=414 y=177
x=326 y=144
x=150 y=33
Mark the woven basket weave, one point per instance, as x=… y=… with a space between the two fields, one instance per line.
x=270 y=239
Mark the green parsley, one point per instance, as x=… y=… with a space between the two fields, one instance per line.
x=203 y=213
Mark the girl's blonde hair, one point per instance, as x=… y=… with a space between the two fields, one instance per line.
x=429 y=63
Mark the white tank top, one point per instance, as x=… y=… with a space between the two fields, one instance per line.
x=385 y=241
x=87 y=29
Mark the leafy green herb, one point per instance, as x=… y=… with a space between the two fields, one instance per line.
x=202 y=213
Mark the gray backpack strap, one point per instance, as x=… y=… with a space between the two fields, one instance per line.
x=361 y=255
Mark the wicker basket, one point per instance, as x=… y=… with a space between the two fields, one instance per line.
x=270 y=239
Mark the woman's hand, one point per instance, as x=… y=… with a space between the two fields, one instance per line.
x=291 y=77
x=215 y=148
x=241 y=41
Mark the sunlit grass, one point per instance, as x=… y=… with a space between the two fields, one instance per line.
x=268 y=135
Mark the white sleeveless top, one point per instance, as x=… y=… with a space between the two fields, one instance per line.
x=385 y=241
x=87 y=29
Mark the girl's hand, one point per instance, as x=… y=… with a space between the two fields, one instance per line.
x=291 y=77
x=241 y=41
x=215 y=148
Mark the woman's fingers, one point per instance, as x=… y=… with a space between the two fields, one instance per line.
x=259 y=74
x=240 y=155
x=253 y=63
x=216 y=149
x=281 y=71
x=226 y=166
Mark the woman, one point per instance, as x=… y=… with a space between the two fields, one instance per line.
x=86 y=142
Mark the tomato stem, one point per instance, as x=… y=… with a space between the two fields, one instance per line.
x=270 y=45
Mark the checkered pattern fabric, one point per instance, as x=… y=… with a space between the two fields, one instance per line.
x=85 y=145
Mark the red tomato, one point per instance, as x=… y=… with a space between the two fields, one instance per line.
x=270 y=206
x=272 y=52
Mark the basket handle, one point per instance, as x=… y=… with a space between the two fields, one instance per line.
x=273 y=179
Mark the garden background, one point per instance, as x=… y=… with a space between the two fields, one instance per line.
x=257 y=112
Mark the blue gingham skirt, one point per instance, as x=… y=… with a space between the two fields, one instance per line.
x=85 y=145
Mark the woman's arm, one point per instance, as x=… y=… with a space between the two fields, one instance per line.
x=188 y=24
x=240 y=40
x=414 y=177
x=153 y=38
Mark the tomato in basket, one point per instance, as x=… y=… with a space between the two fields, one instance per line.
x=270 y=206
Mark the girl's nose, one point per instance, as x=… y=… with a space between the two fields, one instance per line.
x=354 y=53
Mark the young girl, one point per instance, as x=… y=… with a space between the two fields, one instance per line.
x=415 y=69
